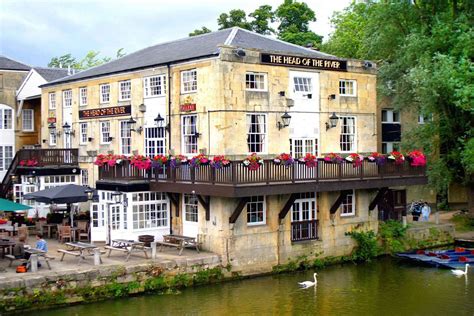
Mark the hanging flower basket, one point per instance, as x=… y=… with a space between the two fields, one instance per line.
x=396 y=157
x=109 y=160
x=376 y=157
x=253 y=162
x=416 y=158
x=33 y=162
x=159 y=162
x=309 y=160
x=284 y=159
x=355 y=159
x=333 y=158
x=219 y=162
x=176 y=161
x=141 y=162
x=199 y=160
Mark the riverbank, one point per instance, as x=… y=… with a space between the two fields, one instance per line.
x=49 y=289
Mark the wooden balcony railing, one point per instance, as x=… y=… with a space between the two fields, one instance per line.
x=49 y=157
x=238 y=174
x=304 y=230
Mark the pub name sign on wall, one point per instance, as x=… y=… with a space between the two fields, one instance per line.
x=105 y=112
x=304 y=62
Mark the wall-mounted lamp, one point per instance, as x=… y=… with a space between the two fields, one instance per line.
x=131 y=122
x=44 y=141
x=160 y=122
x=281 y=93
x=110 y=139
x=52 y=129
x=68 y=130
x=31 y=178
x=332 y=121
x=90 y=139
x=197 y=134
x=332 y=97
x=116 y=196
x=142 y=108
x=286 y=119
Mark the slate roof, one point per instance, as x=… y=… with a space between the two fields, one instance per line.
x=51 y=74
x=10 y=64
x=189 y=48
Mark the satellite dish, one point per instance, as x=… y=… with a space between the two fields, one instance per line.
x=239 y=52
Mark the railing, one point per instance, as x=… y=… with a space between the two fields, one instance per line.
x=7 y=179
x=269 y=173
x=304 y=230
x=47 y=157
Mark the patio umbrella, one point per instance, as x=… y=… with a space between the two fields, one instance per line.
x=9 y=206
x=65 y=194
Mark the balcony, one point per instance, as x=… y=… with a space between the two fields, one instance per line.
x=304 y=230
x=237 y=180
x=48 y=157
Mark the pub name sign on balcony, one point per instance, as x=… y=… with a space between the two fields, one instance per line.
x=304 y=62
x=105 y=112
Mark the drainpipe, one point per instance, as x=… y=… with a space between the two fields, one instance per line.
x=169 y=137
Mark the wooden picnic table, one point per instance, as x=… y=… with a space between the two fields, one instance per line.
x=179 y=241
x=78 y=249
x=127 y=246
x=6 y=244
x=39 y=253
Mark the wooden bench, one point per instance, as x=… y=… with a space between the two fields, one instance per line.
x=128 y=250
x=68 y=252
x=22 y=260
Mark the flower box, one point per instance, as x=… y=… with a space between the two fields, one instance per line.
x=253 y=162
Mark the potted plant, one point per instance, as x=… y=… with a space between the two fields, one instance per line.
x=333 y=158
x=109 y=160
x=376 y=157
x=198 y=160
x=284 y=159
x=309 y=160
x=396 y=157
x=355 y=159
x=159 y=162
x=416 y=158
x=253 y=162
x=141 y=162
x=33 y=162
x=219 y=162
x=176 y=161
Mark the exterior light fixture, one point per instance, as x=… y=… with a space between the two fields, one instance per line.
x=67 y=129
x=131 y=122
x=332 y=97
x=31 y=179
x=142 y=108
x=332 y=121
x=285 y=121
x=116 y=196
x=90 y=193
x=159 y=121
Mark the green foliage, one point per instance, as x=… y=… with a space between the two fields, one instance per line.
x=202 y=30
x=392 y=235
x=207 y=276
x=91 y=59
x=155 y=284
x=307 y=262
x=262 y=17
x=180 y=280
x=463 y=222
x=236 y=17
x=367 y=247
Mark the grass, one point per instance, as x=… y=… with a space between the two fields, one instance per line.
x=463 y=222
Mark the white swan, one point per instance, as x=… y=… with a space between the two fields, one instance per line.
x=306 y=284
x=458 y=272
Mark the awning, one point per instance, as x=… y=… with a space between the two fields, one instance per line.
x=9 y=206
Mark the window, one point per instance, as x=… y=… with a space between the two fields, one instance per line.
x=189 y=81
x=6 y=157
x=84 y=177
x=52 y=100
x=189 y=134
x=6 y=119
x=104 y=93
x=299 y=147
x=256 y=210
x=154 y=86
x=190 y=208
x=422 y=119
x=125 y=90
x=348 y=134
x=388 y=147
x=82 y=96
x=302 y=84
x=256 y=81
x=347 y=88
x=150 y=210
x=390 y=116
x=83 y=133
x=52 y=137
x=125 y=138
x=67 y=98
x=105 y=132
x=257 y=129
x=154 y=141
x=348 y=205
x=27 y=120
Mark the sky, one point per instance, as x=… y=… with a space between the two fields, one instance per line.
x=34 y=31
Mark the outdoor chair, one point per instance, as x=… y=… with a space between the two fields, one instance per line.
x=84 y=234
x=65 y=233
x=39 y=227
x=23 y=231
x=82 y=225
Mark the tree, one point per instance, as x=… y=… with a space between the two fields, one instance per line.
x=235 y=17
x=202 y=30
x=91 y=59
x=294 y=18
x=64 y=61
x=262 y=17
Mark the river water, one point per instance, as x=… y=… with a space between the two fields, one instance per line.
x=383 y=287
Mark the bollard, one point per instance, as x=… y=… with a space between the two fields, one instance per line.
x=34 y=263
x=153 y=250
x=404 y=220
x=97 y=260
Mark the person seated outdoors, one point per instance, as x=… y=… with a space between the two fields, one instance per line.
x=19 y=248
x=41 y=244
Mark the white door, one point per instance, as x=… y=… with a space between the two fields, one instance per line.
x=190 y=215
x=98 y=222
x=117 y=221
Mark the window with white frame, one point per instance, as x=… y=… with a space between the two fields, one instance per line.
x=302 y=84
x=189 y=134
x=82 y=96
x=190 y=208
x=348 y=204
x=83 y=133
x=347 y=88
x=67 y=98
x=105 y=132
x=388 y=147
x=347 y=140
x=189 y=81
x=6 y=157
x=154 y=86
x=52 y=137
x=27 y=120
x=84 y=177
x=255 y=81
x=257 y=131
x=125 y=90
x=299 y=147
x=150 y=210
x=54 y=181
x=104 y=93
x=125 y=138
x=6 y=119
x=154 y=141
x=52 y=100
x=256 y=210
x=390 y=116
